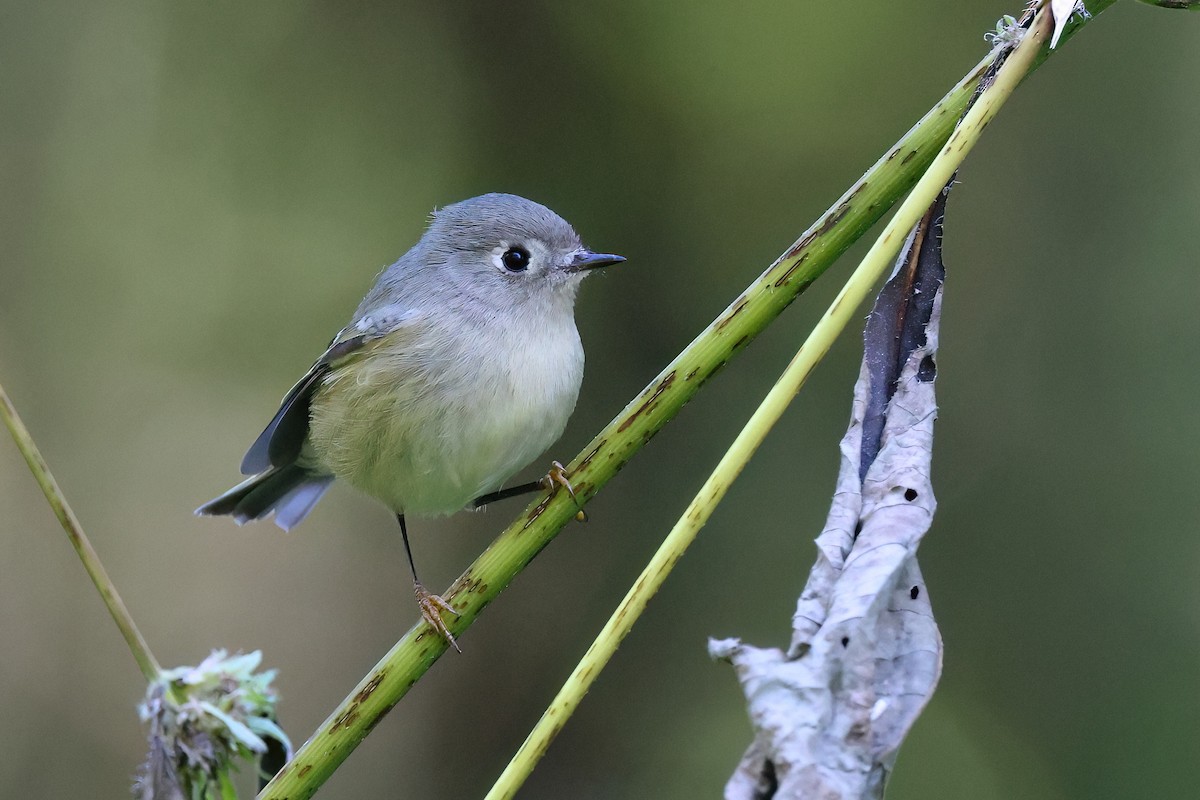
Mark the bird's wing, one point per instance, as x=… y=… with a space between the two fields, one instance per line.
x=282 y=440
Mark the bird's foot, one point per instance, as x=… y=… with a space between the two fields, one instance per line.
x=431 y=606
x=557 y=476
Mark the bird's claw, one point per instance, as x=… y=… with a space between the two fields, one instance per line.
x=431 y=606
x=557 y=476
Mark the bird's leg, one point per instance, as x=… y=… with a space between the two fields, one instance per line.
x=431 y=605
x=557 y=476
x=504 y=494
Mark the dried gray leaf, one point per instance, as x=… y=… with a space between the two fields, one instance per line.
x=865 y=656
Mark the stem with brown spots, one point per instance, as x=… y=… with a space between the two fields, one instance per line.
x=857 y=210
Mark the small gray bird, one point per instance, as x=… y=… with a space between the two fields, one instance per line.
x=460 y=366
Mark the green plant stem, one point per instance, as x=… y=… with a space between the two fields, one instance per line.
x=857 y=289
x=227 y=789
x=66 y=517
x=854 y=213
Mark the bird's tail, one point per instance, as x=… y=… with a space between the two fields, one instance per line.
x=290 y=491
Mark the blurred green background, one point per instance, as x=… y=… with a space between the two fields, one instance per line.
x=195 y=196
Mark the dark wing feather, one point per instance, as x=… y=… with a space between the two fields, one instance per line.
x=282 y=440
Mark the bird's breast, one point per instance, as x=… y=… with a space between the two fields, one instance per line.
x=428 y=426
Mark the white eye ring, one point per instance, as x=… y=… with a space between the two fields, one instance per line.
x=519 y=258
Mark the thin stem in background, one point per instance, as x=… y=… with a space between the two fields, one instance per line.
x=91 y=561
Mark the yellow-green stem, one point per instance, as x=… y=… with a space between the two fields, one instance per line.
x=827 y=329
x=66 y=517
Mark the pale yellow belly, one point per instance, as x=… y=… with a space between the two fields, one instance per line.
x=429 y=438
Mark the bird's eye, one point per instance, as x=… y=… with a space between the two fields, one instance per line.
x=515 y=259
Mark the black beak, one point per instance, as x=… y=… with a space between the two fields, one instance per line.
x=586 y=260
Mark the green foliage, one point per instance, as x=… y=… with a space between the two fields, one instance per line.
x=203 y=719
